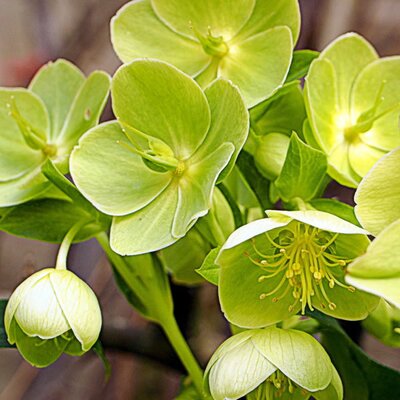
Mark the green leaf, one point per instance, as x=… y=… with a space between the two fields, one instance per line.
x=137 y=32
x=301 y=62
x=188 y=392
x=259 y=64
x=224 y=17
x=209 y=270
x=57 y=84
x=258 y=184
x=49 y=220
x=337 y=208
x=379 y=192
x=158 y=100
x=3 y=335
x=303 y=171
x=363 y=378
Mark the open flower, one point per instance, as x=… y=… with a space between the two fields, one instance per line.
x=353 y=106
x=50 y=313
x=45 y=122
x=249 y=41
x=272 y=363
x=155 y=168
x=275 y=267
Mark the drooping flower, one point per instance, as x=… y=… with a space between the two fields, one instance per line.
x=154 y=169
x=272 y=363
x=249 y=41
x=292 y=261
x=50 y=313
x=353 y=106
x=45 y=122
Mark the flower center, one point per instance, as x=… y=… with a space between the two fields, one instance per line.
x=212 y=45
x=305 y=260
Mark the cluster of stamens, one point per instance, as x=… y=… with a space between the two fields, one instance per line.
x=304 y=257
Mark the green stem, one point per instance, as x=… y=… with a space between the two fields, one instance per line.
x=181 y=347
x=62 y=255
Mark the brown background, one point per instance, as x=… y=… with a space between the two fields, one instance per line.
x=35 y=31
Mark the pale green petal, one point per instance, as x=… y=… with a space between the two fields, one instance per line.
x=224 y=17
x=320 y=219
x=238 y=372
x=112 y=177
x=209 y=74
x=240 y=289
x=148 y=229
x=57 y=84
x=253 y=229
x=229 y=122
x=269 y=14
x=16 y=157
x=23 y=189
x=381 y=74
x=297 y=354
x=378 y=194
x=136 y=32
x=79 y=305
x=320 y=92
x=362 y=157
x=358 y=54
x=259 y=64
x=196 y=186
x=85 y=110
x=157 y=99
x=334 y=391
x=39 y=312
x=17 y=296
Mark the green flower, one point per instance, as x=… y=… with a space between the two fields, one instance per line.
x=154 y=169
x=272 y=363
x=50 y=313
x=275 y=267
x=353 y=105
x=44 y=122
x=248 y=41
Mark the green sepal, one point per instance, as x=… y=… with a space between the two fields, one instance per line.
x=301 y=62
x=209 y=270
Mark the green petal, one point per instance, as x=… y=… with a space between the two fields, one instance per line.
x=209 y=74
x=240 y=289
x=297 y=354
x=136 y=32
x=362 y=157
x=23 y=189
x=380 y=191
x=17 y=296
x=16 y=157
x=385 y=132
x=319 y=219
x=38 y=352
x=56 y=84
x=196 y=186
x=259 y=64
x=85 y=110
x=157 y=99
x=148 y=229
x=224 y=17
x=359 y=53
x=229 y=122
x=39 y=312
x=239 y=371
x=101 y=165
x=79 y=305
x=334 y=391
x=269 y=14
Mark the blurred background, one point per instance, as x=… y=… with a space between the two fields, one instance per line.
x=33 y=32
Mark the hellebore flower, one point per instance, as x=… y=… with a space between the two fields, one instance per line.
x=154 y=169
x=353 y=104
x=272 y=363
x=248 y=41
x=44 y=122
x=275 y=267
x=50 y=313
